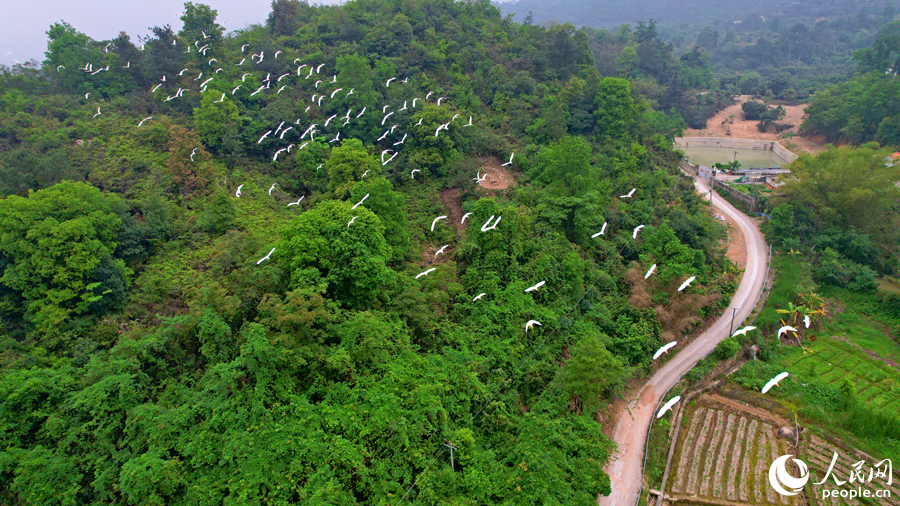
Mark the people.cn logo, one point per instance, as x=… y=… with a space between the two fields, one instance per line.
x=778 y=475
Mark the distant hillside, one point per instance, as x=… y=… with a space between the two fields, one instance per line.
x=608 y=14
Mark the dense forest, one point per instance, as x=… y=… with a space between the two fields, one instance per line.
x=236 y=268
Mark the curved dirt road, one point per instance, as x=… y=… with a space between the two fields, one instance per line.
x=631 y=430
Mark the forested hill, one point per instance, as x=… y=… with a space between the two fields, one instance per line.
x=609 y=13
x=256 y=267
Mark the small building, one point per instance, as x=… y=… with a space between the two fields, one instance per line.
x=704 y=171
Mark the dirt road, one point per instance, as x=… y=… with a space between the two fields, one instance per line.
x=631 y=431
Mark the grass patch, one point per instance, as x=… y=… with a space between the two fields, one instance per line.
x=793 y=274
x=658 y=451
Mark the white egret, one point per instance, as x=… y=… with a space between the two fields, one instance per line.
x=602 y=230
x=238 y=192
x=425 y=273
x=386 y=116
x=414 y=101
x=387 y=83
x=774 y=381
x=463 y=220
x=192 y=154
x=784 y=329
x=296 y=203
x=155 y=88
x=235 y=90
x=743 y=331
x=143 y=120
x=510 y=160
x=652 y=268
x=535 y=287
x=98 y=113
x=487 y=225
x=469 y=123
x=240 y=62
x=443 y=248
x=285 y=131
x=442 y=217
x=420 y=122
x=480 y=295
x=401 y=140
x=629 y=195
x=390 y=159
x=635 y=232
x=221 y=99
x=281 y=89
x=329 y=119
x=687 y=283
x=277 y=53
x=319 y=68
x=428 y=94
x=412 y=173
x=667 y=406
x=272 y=188
x=263 y=259
x=664 y=349
x=275 y=158
x=361 y=113
x=439 y=100
x=806 y=321
x=532 y=323
x=351 y=221
x=404 y=106
x=385 y=134
x=360 y=202
x=59 y=67
x=366 y=173
x=263 y=137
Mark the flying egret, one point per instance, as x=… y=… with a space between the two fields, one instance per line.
x=635 y=232
x=385 y=134
x=774 y=381
x=480 y=295
x=785 y=329
x=428 y=94
x=240 y=62
x=238 y=192
x=443 y=248
x=806 y=321
x=98 y=113
x=360 y=202
x=439 y=100
x=192 y=154
x=442 y=217
x=386 y=116
x=743 y=331
x=389 y=159
x=463 y=220
x=155 y=88
x=296 y=203
x=420 y=122
x=425 y=273
x=667 y=406
x=351 y=221
x=387 y=84
x=285 y=131
x=361 y=113
x=687 y=283
x=602 y=230
x=337 y=137
x=532 y=323
x=364 y=174
x=277 y=53
x=401 y=140
x=319 y=68
x=535 y=287
x=414 y=101
x=143 y=120
x=275 y=158
x=60 y=66
x=263 y=137
x=272 y=188
x=235 y=90
x=469 y=123
x=487 y=226
x=629 y=195
x=652 y=268
x=664 y=349
x=404 y=106
x=412 y=173
x=510 y=160
x=261 y=260
x=385 y=151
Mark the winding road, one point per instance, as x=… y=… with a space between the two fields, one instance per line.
x=625 y=472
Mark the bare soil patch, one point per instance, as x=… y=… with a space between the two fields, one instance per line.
x=730 y=122
x=498 y=177
x=737 y=248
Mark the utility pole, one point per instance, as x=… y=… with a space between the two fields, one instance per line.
x=733 y=311
x=710 y=196
x=450 y=445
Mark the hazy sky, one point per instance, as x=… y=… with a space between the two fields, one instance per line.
x=24 y=23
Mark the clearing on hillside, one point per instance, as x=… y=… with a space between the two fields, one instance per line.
x=498 y=178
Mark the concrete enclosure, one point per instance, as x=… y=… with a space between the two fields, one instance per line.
x=722 y=142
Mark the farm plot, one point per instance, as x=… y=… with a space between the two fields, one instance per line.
x=818 y=454
x=723 y=457
x=830 y=362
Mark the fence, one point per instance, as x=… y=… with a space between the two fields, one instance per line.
x=753 y=204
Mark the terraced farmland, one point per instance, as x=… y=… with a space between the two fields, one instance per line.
x=876 y=383
x=723 y=456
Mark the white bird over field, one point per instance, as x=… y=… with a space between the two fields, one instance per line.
x=442 y=250
x=664 y=349
x=442 y=217
x=296 y=203
x=667 y=406
x=480 y=295
x=629 y=195
x=510 y=160
x=261 y=260
x=785 y=329
x=602 y=230
x=351 y=221
x=463 y=220
x=532 y=323
x=635 y=232
x=774 y=381
x=143 y=120
x=425 y=273
x=686 y=283
x=360 y=202
x=652 y=268
x=238 y=192
x=272 y=188
x=743 y=331
x=535 y=287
